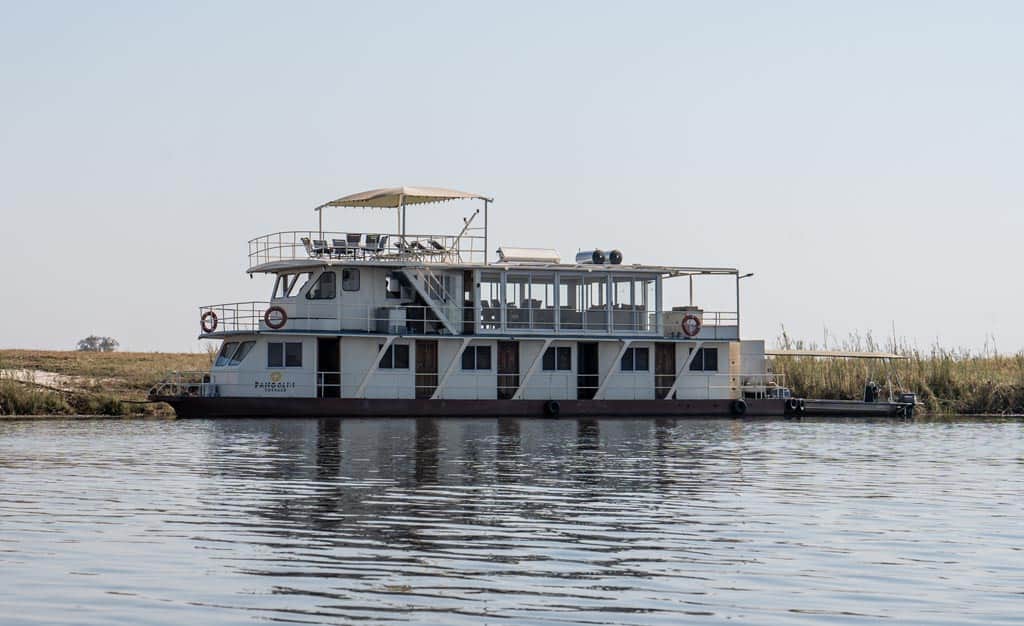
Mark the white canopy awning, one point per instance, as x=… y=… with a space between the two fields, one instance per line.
x=396 y=197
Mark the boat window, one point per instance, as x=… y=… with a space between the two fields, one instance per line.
x=350 y=280
x=226 y=351
x=395 y=357
x=324 y=289
x=557 y=359
x=392 y=286
x=242 y=352
x=490 y=300
x=476 y=358
x=286 y=354
x=635 y=360
x=706 y=360
x=287 y=285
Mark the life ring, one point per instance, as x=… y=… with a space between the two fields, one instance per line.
x=275 y=322
x=552 y=408
x=691 y=325
x=739 y=407
x=208 y=322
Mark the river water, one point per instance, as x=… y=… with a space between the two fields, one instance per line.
x=511 y=522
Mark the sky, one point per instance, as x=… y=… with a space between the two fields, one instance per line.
x=861 y=158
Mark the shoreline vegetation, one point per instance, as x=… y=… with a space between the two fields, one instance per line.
x=947 y=382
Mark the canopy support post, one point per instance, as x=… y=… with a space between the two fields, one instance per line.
x=321 y=212
x=401 y=205
x=486 y=203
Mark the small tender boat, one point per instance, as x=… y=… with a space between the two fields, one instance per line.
x=412 y=324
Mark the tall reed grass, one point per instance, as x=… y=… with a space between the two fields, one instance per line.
x=945 y=380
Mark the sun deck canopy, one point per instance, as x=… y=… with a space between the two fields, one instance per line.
x=396 y=197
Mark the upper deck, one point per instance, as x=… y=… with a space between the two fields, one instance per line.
x=400 y=282
x=275 y=251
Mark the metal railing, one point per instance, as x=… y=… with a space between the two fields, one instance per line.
x=407 y=319
x=232 y=317
x=312 y=244
x=183 y=385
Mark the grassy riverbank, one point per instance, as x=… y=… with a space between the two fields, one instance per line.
x=34 y=382
x=946 y=381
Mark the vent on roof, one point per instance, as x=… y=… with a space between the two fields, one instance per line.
x=528 y=255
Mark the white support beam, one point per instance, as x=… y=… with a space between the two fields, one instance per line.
x=533 y=368
x=374 y=366
x=451 y=367
x=599 y=394
x=679 y=374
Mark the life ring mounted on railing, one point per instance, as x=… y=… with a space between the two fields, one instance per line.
x=208 y=322
x=275 y=318
x=691 y=325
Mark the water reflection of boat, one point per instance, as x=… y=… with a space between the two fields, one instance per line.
x=404 y=324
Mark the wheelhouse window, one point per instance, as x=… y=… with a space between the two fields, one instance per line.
x=706 y=360
x=226 y=352
x=287 y=285
x=476 y=358
x=396 y=357
x=324 y=288
x=284 y=354
x=350 y=280
x=635 y=360
x=557 y=358
x=242 y=352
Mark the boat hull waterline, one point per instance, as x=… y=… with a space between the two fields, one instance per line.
x=201 y=407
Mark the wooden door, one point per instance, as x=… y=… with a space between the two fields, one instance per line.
x=426 y=368
x=664 y=368
x=508 y=369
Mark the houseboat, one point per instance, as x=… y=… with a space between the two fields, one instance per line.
x=412 y=324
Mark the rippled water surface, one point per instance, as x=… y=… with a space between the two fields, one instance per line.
x=511 y=522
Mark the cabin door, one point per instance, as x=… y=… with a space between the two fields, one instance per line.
x=664 y=368
x=587 y=371
x=426 y=368
x=328 y=367
x=508 y=369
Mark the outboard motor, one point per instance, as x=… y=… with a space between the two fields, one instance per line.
x=871 y=391
x=591 y=257
x=615 y=257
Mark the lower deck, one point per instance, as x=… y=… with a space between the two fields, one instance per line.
x=449 y=368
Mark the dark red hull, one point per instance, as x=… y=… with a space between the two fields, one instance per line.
x=193 y=407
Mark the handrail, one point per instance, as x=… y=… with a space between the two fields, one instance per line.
x=425 y=247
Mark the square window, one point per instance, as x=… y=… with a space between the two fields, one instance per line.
x=483 y=357
x=635 y=360
x=275 y=355
x=293 y=354
x=476 y=358
x=558 y=359
x=395 y=357
x=706 y=360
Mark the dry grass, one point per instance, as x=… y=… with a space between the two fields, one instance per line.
x=946 y=381
x=105 y=383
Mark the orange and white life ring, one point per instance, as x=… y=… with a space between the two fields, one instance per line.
x=208 y=322
x=275 y=318
x=691 y=325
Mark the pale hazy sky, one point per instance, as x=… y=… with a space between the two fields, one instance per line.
x=863 y=158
